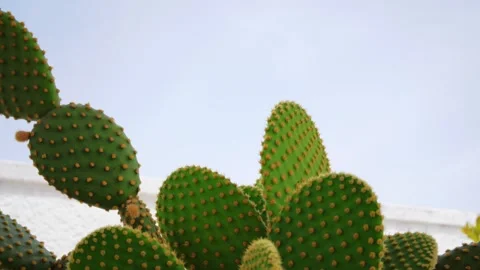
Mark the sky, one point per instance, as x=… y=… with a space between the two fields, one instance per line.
x=392 y=86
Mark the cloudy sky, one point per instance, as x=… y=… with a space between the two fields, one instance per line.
x=393 y=87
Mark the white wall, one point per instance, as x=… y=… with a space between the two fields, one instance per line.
x=61 y=222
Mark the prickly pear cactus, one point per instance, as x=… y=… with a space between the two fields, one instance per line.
x=117 y=247
x=134 y=213
x=19 y=249
x=256 y=195
x=410 y=250
x=464 y=257
x=27 y=87
x=206 y=218
x=332 y=221
x=61 y=263
x=84 y=154
x=261 y=254
x=292 y=151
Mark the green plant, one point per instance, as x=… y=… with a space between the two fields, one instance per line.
x=472 y=231
x=255 y=195
x=27 y=87
x=117 y=247
x=261 y=254
x=410 y=251
x=298 y=215
x=465 y=256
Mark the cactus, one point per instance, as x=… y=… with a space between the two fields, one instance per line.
x=84 y=154
x=261 y=254
x=256 y=195
x=27 y=87
x=136 y=214
x=117 y=247
x=298 y=215
x=330 y=221
x=410 y=250
x=61 y=263
x=463 y=257
x=19 y=249
x=292 y=151
x=206 y=218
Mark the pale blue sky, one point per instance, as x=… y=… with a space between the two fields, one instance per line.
x=393 y=87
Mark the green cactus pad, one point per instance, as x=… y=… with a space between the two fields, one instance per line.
x=206 y=218
x=332 y=221
x=19 y=249
x=261 y=254
x=122 y=248
x=256 y=195
x=134 y=213
x=86 y=155
x=292 y=151
x=27 y=87
x=464 y=257
x=410 y=250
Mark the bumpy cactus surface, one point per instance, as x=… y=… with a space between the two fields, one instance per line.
x=118 y=248
x=61 y=263
x=464 y=257
x=27 y=87
x=330 y=221
x=135 y=213
x=207 y=218
x=19 y=249
x=298 y=215
x=410 y=250
x=292 y=151
x=256 y=195
x=83 y=153
x=261 y=255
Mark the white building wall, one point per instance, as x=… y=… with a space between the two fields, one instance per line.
x=61 y=222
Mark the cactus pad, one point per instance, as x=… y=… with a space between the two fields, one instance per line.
x=86 y=155
x=292 y=151
x=261 y=254
x=19 y=249
x=330 y=221
x=117 y=247
x=134 y=213
x=256 y=195
x=464 y=257
x=410 y=250
x=206 y=218
x=27 y=87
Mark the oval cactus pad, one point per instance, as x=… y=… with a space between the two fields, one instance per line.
x=332 y=221
x=27 y=87
x=122 y=248
x=86 y=155
x=292 y=151
x=206 y=218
